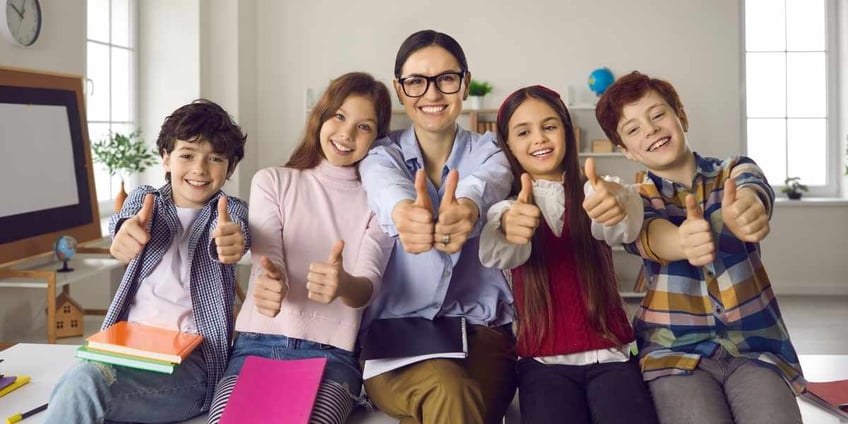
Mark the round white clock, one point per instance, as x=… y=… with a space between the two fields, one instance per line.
x=20 y=21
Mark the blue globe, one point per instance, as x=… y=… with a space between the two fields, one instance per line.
x=600 y=79
x=65 y=248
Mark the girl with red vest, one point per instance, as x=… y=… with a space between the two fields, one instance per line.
x=573 y=336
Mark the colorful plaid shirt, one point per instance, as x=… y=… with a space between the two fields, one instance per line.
x=212 y=283
x=690 y=312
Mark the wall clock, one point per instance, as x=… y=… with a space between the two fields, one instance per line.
x=20 y=21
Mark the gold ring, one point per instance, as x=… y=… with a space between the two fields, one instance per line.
x=445 y=240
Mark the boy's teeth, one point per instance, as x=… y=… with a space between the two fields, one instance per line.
x=659 y=143
x=196 y=183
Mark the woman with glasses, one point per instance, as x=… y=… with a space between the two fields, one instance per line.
x=430 y=186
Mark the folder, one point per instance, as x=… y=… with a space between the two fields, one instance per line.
x=830 y=395
x=389 y=344
x=145 y=341
x=275 y=390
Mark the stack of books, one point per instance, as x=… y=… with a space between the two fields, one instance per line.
x=140 y=346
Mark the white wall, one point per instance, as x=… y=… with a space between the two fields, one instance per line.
x=510 y=43
x=258 y=57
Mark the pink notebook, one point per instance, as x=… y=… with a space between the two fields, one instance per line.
x=274 y=391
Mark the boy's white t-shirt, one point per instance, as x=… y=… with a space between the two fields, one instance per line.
x=163 y=298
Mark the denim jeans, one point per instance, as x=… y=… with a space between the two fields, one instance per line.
x=342 y=365
x=94 y=392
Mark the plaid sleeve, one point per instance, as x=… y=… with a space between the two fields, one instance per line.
x=746 y=173
x=653 y=207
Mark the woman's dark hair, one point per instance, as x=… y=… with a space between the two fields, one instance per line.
x=426 y=38
x=203 y=120
x=629 y=89
x=308 y=154
x=593 y=257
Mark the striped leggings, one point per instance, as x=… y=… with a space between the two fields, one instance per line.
x=332 y=405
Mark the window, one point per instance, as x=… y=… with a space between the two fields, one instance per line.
x=790 y=113
x=110 y=77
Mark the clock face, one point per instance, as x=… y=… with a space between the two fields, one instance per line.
x=20 y=21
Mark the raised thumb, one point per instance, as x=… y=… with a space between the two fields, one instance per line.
x=729 y=195
x=271 y=268
x=589 y=169
x=693 y=211
x=422 y=199
x=451 y=181
x=223 y=214
x=146 y=212
x=336 y=253
x=526 y=193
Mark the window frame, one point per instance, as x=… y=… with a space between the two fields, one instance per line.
x=834 y=148
x=107 y=206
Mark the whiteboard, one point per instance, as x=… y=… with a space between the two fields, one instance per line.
x=37 y=164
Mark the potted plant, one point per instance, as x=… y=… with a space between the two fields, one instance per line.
x=793 y=188
x=123 y=155
x=478 y=89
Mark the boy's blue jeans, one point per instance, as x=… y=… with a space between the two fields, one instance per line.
x=94 y=392
x=342 y=365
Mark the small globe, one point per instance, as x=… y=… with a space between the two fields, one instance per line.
x=65 y=248
x=600 y=79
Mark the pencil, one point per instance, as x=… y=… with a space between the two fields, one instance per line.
x=17 y=417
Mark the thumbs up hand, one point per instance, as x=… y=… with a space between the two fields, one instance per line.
x=327 y=281
x=456 y=217
x=229 y=240
x=603 y=205
x=414 y=220
x=744 y=213
x=520 y=221
x=696 y=239
x=133 y=234
x=269 y=288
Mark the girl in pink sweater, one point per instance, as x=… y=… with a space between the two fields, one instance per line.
x=318 y=251
x=573 y=338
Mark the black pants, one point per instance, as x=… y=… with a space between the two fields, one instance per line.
x=609 y=393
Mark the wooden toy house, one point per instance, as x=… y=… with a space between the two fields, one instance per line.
x=68 y=317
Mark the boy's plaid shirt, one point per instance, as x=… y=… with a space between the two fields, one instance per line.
x=688 y=311
x=212 y=283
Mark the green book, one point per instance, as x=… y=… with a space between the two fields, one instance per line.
x=125 y=360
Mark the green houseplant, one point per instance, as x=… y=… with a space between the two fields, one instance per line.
x=123 y=155
x=478 y=89
x=793 y=188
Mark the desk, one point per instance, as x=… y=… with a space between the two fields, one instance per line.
x=45 y=363
x=39 y=272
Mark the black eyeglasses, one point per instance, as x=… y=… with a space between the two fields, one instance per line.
x=446 y=82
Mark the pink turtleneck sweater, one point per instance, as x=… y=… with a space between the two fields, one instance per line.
x=295 y=218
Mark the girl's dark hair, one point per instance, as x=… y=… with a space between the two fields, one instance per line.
x=203 y=120
x=308 y=153
x=593 y=257
x=629 y=89
x=426 y=38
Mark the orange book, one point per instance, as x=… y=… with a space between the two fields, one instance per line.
x=145 y=341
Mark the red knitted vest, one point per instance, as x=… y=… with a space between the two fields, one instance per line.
x=571 y=332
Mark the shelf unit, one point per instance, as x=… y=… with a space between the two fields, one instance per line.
x=41 y=272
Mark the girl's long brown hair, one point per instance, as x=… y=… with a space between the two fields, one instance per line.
x=308 y=153
x=593 y=258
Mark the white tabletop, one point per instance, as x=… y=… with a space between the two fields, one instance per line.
x=45 y=363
